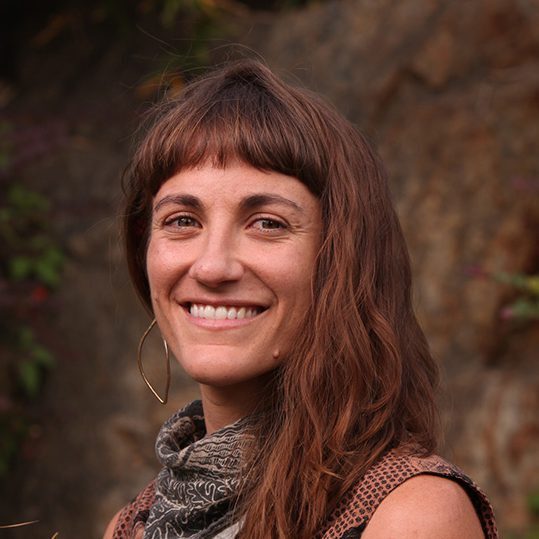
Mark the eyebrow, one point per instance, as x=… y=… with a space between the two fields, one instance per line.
x=248 y=203
x=179 y=200
x=265 y=199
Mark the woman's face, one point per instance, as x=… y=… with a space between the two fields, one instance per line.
x=230 y=259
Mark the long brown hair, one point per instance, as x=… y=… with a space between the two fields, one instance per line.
x=360 y=379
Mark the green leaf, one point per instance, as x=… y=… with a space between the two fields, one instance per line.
x=533 y=503
x=30 y=377
x=48 y=266
x=526 y=283
x=533 y=284
x=25 y=200
x=47 y=273
x=532 y=533
x=20 y=267
x=54 y=256
x=26 y=338
x=525 y=309
x=42 y=356
x=39 y=355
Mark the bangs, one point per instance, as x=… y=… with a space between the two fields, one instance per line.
x=242 y=116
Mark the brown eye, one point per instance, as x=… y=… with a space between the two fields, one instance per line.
x=185 y=221
x=182 y=221
x=268 y=224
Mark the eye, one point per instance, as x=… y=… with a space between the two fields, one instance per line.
x=182 y=221
x=266 y=223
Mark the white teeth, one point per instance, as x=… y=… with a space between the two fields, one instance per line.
x=221 y=312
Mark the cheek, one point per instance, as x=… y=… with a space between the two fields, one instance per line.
x=303 y=273
x=152 y=268
x=160 y=267
x=294 y=285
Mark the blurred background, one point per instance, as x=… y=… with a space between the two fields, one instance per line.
x=449 y=93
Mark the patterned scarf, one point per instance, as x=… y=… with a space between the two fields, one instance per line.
x=198 y=485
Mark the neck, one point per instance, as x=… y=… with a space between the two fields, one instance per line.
x=225 y=405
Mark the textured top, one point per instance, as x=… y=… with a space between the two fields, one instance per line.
x=194 y=493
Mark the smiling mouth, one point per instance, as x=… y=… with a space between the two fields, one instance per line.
x=223 y=312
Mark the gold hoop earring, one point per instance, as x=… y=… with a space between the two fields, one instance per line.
x=141 y=368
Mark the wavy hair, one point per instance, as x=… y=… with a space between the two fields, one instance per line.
x=360 y=378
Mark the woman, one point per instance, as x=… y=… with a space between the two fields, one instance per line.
x=261 y=235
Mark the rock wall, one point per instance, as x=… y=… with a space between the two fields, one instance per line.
x=90 y=448
x=449 y=92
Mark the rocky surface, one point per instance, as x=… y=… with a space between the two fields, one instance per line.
x=91 y=448
x=449 y=91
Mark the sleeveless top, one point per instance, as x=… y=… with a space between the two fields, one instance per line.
x=353 y=512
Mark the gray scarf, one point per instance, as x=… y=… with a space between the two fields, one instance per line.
x=197 y=488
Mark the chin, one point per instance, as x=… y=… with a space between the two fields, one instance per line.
x=222 y=378
x=221 y=366
x=220 y=372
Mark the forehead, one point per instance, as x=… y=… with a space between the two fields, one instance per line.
x=232 y=184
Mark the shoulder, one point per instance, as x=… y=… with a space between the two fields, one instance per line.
x=418 y=494
x=425 y=506
x=129 y=522
x=112 y=524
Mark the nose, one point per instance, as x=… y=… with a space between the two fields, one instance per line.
x=217 y=261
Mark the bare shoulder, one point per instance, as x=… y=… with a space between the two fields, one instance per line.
x=425 y=506
x=112 y=524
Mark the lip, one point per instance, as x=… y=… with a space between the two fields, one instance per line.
x=225 y=323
